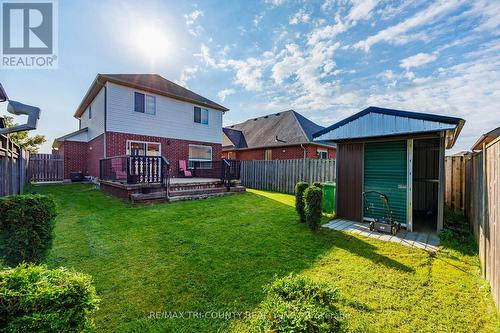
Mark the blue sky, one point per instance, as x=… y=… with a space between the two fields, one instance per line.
x=325 y=59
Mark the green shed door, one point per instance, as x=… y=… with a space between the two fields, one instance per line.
x=385 y=172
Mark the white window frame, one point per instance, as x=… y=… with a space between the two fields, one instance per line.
x=202 y=111
x=128 y=150
x=145 y=103
x=200 y=159
x=320 y=151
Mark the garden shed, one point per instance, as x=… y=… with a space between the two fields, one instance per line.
x=397 y=153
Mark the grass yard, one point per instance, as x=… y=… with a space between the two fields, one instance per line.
x=215 y=255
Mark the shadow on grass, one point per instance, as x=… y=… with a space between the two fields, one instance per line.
x=205 y=255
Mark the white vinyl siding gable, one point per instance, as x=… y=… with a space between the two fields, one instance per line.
x=173 y=118
x=95 y=124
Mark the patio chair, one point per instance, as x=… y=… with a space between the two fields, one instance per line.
x=183 y=169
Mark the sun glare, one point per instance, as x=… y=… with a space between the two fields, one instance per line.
x=151 y=42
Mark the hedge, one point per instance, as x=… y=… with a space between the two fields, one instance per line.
x=26 y=227
x=36 y=299
x=298 y=304
x=313 y=200
x=318 y=184
x=300 y=187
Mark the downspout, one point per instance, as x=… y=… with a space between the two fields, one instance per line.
x=305 y=150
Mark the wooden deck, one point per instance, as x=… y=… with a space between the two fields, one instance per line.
x=422 y=240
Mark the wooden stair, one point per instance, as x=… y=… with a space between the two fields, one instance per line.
x=187 y=191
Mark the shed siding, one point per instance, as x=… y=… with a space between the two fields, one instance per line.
x=173 y=118
x=385 y=171
x=96 y=123
x=375 y=124
x=349 y=181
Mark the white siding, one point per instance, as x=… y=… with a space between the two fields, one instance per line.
x=96 y=123
x=376 y=124
x=81 y=137
x=173 y=118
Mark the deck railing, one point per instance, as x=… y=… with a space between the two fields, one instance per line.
x=135 y=169
x=226 y=170
x=156 y=169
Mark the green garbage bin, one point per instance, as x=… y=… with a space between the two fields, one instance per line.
x=329 y=197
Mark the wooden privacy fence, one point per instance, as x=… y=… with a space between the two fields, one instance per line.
x=282 y=175
x=45 y=168
x=12 y=167
x=473 y=184
x=454 y=194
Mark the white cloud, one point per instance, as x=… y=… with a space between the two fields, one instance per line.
x=417 y=60
x=326 y=32
x=275 y=3
x=224 y=93
x=490 y=13
x=361 y=10
x=248 y=73
x=395 y=32
x=300 y=17
x=191 y=18
x=206 y=57
x=187 y=74
x=257 y=19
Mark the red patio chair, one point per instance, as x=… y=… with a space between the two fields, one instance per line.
x=183 y=169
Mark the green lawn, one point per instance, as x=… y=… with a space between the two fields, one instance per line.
x=215 y=255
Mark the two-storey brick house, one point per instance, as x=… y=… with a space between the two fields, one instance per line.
x=141 y=114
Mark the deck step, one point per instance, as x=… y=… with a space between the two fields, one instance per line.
x=183 y=192
x=154 y=196
x=200 y=196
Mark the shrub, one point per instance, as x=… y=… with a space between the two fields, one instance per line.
x=300 y=187
x=36 y=299
x=26 y=226
x=298 y=304
x=313 y=199
x=318 y=184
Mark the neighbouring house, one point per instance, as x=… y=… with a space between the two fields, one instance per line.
x=143 y=115
x=398 y=153
x=279 y=136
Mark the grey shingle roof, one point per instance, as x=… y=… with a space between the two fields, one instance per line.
x=283 y=128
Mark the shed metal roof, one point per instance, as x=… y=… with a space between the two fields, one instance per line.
x=486 y=138
x=375 y=122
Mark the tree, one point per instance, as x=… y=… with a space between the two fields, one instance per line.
x=28 y=143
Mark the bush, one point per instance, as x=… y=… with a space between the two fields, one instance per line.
x=26 y=227
x=313 y=199
x=318 y=184
x=36 y=299
x=298 y=304
x=300 y=187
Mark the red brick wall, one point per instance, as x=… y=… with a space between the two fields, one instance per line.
x=75 y=157
x=280 y=153
x=95 y=151
x=172 y=149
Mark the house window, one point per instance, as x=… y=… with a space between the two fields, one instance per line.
x=144 y=103
x=230 y=155
x=268 y=155
x=90 y=112
x=199 y=156
x=200 y=115
x=322 y=154
x=139 y=148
